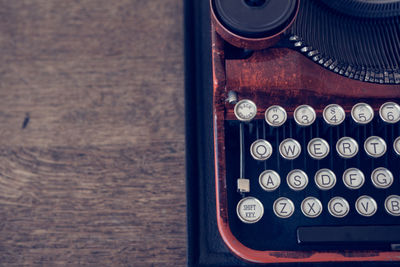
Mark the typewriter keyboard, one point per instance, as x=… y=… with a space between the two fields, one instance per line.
x=301 y=177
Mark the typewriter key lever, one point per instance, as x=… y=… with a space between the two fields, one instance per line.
x=243 y=184
x=245 y=110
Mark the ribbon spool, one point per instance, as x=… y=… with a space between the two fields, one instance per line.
x=253 y=24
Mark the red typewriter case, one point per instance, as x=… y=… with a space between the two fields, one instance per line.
x=306 y=109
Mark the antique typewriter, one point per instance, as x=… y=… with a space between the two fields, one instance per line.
x=306 y=109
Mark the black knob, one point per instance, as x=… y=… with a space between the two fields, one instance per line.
x=255 y=18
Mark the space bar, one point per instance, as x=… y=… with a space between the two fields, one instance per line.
x=349 y=234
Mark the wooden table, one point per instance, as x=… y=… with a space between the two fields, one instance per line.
x=92 y=133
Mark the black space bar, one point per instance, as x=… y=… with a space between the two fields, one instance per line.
x=348 y=234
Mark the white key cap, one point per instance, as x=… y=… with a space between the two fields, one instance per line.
x=362 y=113
x=289 y=148
x=375 y=146
x=347 y=147
x=325 y=179
x=396 y=145
x=297 y=180
x=390 y=112
x=338 y=207
x=392 y=205
x=304 y=115
x=269 y=180
x=245 y=110
x=353 y=178
x=318 y=148
x=366 y=206
x=311 y=207
x=334 y=114
x=283 y=207
x=250 y=210
x=275 y=116
x=261 y=149
x=382 y=178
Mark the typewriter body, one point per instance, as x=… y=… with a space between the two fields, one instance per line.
x=306 y=129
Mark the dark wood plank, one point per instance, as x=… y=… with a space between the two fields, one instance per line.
x=91 y=133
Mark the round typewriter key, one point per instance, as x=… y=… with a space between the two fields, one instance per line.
x=261 y=149
x=338 y=207
x=304 y=115
x=334 y=114
x=353 y=178
x=390 y=112
x=382 y=178
x=250 y=210
x=275 y=116
x=347 y=147
x=297 y=180
x=269 y=180
x=289 y=148
x=366 y=206
x=318 y=148
x=375 y=146
x=311 y=207
x=325 y=179
x=396 y=145
x=283 y=207
x=362 y=113
x=392 y=205
x=245 y=110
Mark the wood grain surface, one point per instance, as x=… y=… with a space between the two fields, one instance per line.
x=91 y=133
